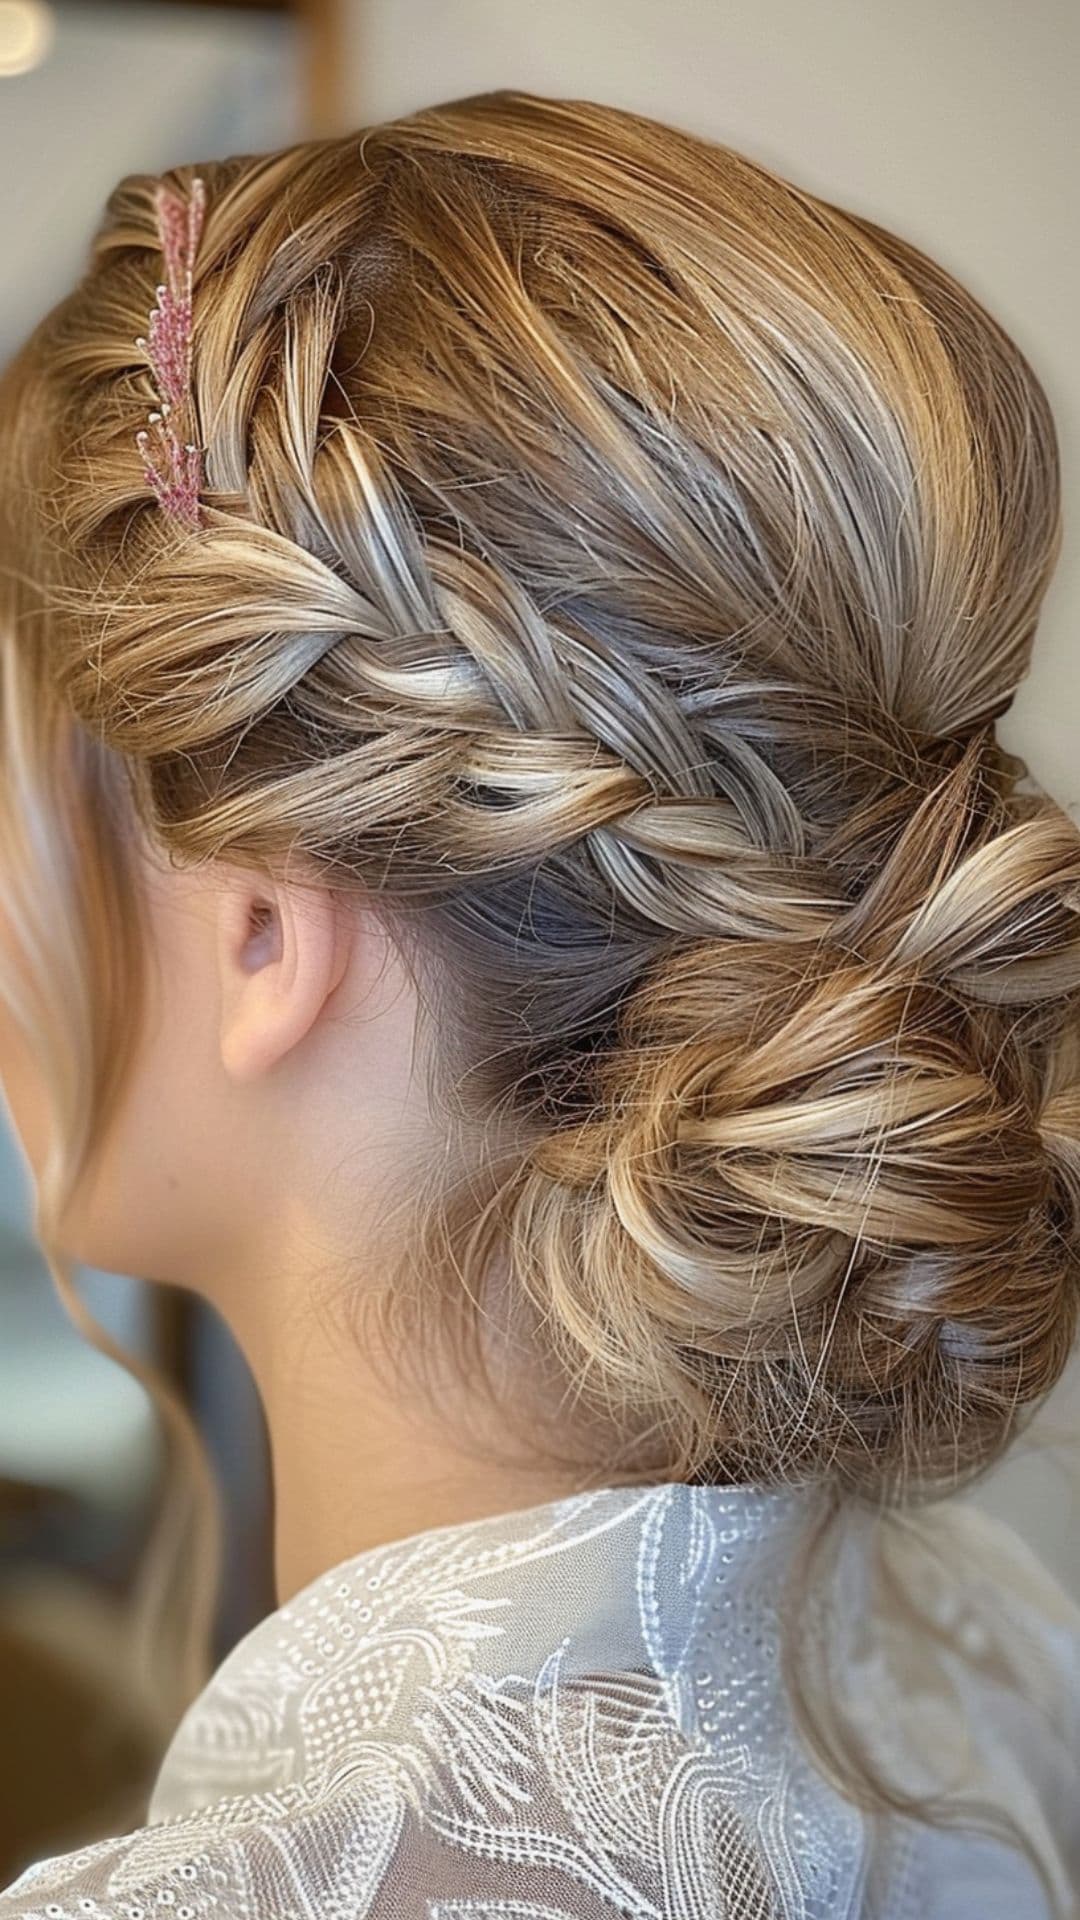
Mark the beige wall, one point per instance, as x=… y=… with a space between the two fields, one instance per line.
x=948 y=120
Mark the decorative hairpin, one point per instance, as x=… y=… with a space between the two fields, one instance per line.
x=173 y=467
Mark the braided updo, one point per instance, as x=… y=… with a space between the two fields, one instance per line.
x=615 y=560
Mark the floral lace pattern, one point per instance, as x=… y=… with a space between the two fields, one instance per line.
x=571 y=1713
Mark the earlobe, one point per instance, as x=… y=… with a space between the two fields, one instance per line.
x=281 y=956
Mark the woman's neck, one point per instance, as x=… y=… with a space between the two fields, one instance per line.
x=360 y=1456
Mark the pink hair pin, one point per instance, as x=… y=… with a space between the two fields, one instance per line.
x=173 y=467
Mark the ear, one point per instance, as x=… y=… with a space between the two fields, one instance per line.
x=283 y=948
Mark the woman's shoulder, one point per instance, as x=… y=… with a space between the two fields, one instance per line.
x=574 y=1711
x=580 y=1804
x=248 y=1857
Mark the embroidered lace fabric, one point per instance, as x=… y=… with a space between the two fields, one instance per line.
x=577 y=1712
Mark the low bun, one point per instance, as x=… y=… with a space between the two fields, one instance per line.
x=826 y=1219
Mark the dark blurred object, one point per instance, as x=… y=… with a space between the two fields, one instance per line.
x=79 y=1751
x=77 y=1757
x=193 y=1346
x=242 y=6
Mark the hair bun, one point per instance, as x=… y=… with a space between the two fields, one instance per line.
x=844 y=1177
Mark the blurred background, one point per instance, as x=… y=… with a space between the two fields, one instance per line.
x=949 y=120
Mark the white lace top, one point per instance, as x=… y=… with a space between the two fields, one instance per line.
x=578 y=1711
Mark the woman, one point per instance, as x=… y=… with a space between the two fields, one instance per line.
x=511 y=891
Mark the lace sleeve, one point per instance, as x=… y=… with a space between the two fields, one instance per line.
x=369 y=1855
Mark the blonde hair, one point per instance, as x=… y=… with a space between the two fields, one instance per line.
x=615 y=560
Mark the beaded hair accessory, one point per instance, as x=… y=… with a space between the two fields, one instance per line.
x=173 y=467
